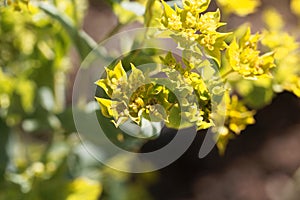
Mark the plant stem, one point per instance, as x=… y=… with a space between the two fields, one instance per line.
x=226 y=74
x=113 y=31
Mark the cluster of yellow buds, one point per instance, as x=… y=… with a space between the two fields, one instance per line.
x=130 y=97
x=237 y=117
x=286 y=48
x=180 y=100
x=190 y=23
x=245 y=58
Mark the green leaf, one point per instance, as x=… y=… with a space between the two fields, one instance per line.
x=83 y=42
x=5 y=130
x=256 y=94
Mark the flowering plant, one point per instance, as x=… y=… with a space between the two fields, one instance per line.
x=218 y=81
x=244 y=62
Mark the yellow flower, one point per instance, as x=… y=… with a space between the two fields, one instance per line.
x=191 y=20
x=241 y=8
x=129 y=96
x=209 y=22
x=280 y=42
x=295 y=7
x=273 y=19
x=116 y=78
x=189 y=34
x=296 y=86
x=84 y=188
x=190 y=27
x=208 y=41
x=292 y=85
x=238 y=116
x=174 y=22
x=245 y=59
x=285 y=46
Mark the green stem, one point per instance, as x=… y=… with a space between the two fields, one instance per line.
x=75 y=16
x=113 y=31
x=224 y=76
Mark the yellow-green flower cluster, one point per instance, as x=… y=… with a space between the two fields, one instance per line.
x=237 y=115
x=191 y=24
x=130 y=97
x=181 y=99
x=244 y=57
x=246 y=61
x=237 y=118
x=293 y=85
x=285 y=47
x=195 y=98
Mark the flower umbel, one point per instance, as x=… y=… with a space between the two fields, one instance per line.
x=180 y=100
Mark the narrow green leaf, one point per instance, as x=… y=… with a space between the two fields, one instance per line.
x=83 y=42
x=3 y=142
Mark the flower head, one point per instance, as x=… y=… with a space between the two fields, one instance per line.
x=191 y=25
x=245 y=58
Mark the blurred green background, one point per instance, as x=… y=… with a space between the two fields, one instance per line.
x=41 y=157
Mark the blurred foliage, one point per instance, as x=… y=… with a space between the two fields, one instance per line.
x=41 y=156
x=34 y=61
